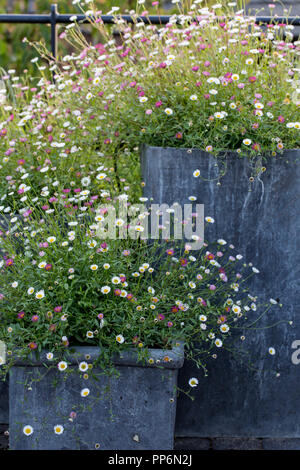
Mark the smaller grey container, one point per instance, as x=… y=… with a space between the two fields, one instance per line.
x=134 y=411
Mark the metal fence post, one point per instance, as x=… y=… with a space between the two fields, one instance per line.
x=53 y=17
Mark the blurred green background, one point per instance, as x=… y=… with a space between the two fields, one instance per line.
x=14 y=54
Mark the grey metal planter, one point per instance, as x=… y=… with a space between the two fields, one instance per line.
x=135 y=411
x=262 y=219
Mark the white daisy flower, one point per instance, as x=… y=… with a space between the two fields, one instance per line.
x=101 y=176
x=105 y=289
x=40 y=294
x=119 y=222
x=236 y=309
x=42 y=264
x=224 y=328
x=120 y=339
x=219 y=115
x=83 y=366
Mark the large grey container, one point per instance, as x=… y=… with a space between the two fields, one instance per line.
x=262 y=219
x=135 y=411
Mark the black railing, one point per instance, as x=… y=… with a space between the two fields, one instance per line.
x=54 y=18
